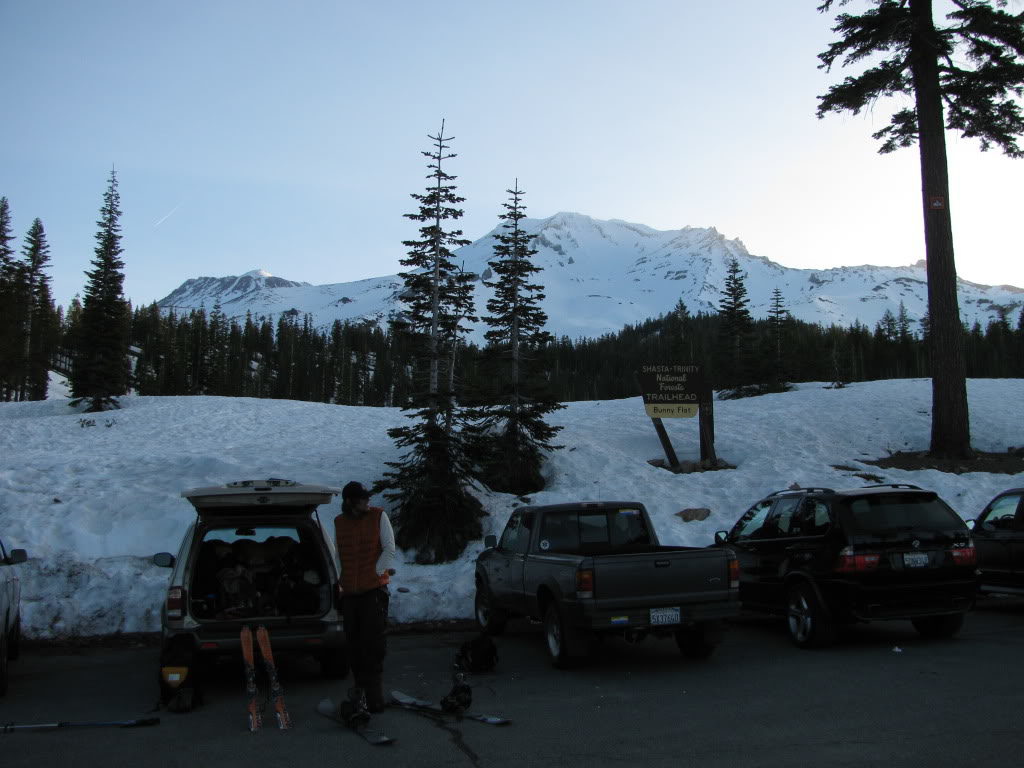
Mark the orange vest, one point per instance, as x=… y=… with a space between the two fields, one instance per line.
x=359 y=548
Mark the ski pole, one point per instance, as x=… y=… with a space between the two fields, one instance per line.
x=11 y=727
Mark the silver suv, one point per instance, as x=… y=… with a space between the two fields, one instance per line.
x=257 y=553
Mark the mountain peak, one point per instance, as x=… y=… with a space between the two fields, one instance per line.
x=600 y=275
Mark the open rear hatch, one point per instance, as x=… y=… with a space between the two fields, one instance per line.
x=257 y=555
x=250 y=496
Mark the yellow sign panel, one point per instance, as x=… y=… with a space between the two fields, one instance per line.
x=671 y=410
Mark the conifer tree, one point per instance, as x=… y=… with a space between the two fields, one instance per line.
x=100 y=372
x=681 y=342
x=436 y=515
x=973 y=68
x=10 y=336
x=735 y=333
x=515 y=431
x=38 y=310
x=778 y=316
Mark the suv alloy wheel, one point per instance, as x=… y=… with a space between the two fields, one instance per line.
x=810 y=625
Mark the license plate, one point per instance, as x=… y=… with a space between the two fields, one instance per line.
x=664 y=616
x=915 y=559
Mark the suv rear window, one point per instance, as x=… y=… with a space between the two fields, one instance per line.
x=259 y=570
x=900 y=512
x=593 y=532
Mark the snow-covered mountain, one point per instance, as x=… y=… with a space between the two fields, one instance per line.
x=600 y=275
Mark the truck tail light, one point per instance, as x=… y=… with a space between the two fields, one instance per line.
x=584 y=583
x=850 y=562
x=734 y=572
x=176 y=603
x=964 y=555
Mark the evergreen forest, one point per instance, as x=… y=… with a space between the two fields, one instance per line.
x=206 y=353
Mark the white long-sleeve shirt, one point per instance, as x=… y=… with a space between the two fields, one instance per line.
x=387 y=542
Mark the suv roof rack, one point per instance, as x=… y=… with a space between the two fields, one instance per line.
x=908 y=486
x=800 y=490
x=270 y=482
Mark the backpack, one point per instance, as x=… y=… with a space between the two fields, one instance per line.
x=478 y=655
x=180 y=679
x=237 y=593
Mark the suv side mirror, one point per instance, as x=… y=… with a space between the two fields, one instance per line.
x=721 y=537
x=17 y=556
x=490 y=541
x=164 y=560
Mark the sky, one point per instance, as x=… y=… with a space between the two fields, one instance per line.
x=287 y=136
x=92 y=504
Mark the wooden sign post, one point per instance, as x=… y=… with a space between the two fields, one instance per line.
x=678 y=391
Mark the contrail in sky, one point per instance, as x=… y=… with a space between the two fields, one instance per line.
x=165 y=218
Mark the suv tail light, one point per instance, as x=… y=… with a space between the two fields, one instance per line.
x=850 y=562
x=734 y=572
x=967 y=555
x=176 y=603
x=584 y=583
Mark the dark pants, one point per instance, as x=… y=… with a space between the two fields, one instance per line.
x=366 y=621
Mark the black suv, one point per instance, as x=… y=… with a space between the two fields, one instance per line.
x=826 y=558
x=999 y=535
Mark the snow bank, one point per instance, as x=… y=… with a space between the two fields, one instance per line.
x=92 y=497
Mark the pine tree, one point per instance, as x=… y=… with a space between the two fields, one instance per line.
x=515 y=430
x=778 y=317
x=1018 y=355
x=436 y=515
x=920 y=60
x=735 y=334
x=100 y=372
x=10 y=326
x=39 y=321
x=678 y=341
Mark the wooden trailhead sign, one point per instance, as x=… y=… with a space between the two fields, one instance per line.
x=672 y=390
x=678 y=390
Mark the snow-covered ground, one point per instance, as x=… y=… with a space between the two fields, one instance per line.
x=93 y=497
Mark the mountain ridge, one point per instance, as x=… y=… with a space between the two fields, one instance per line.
x=600 y=275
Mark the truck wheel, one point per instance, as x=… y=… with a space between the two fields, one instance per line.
x=938 y=627
x=700 y=640
x=555 y=636
x=14 y=643
x=810 y=625
x=489 y=617
x=3 y=663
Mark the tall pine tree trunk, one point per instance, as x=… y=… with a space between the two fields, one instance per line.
x=950 y=422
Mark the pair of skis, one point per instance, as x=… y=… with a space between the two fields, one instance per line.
x=253 y=708
x=360 y=723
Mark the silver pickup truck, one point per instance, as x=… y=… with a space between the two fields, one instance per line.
x=592 y=568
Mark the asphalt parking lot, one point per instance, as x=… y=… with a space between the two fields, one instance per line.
x=881 y=696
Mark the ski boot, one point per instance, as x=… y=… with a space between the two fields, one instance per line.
x=353 y=710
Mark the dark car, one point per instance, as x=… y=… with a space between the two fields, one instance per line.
x=826 y=558
x=999 y=536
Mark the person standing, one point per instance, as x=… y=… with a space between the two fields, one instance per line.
x=366 y=550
